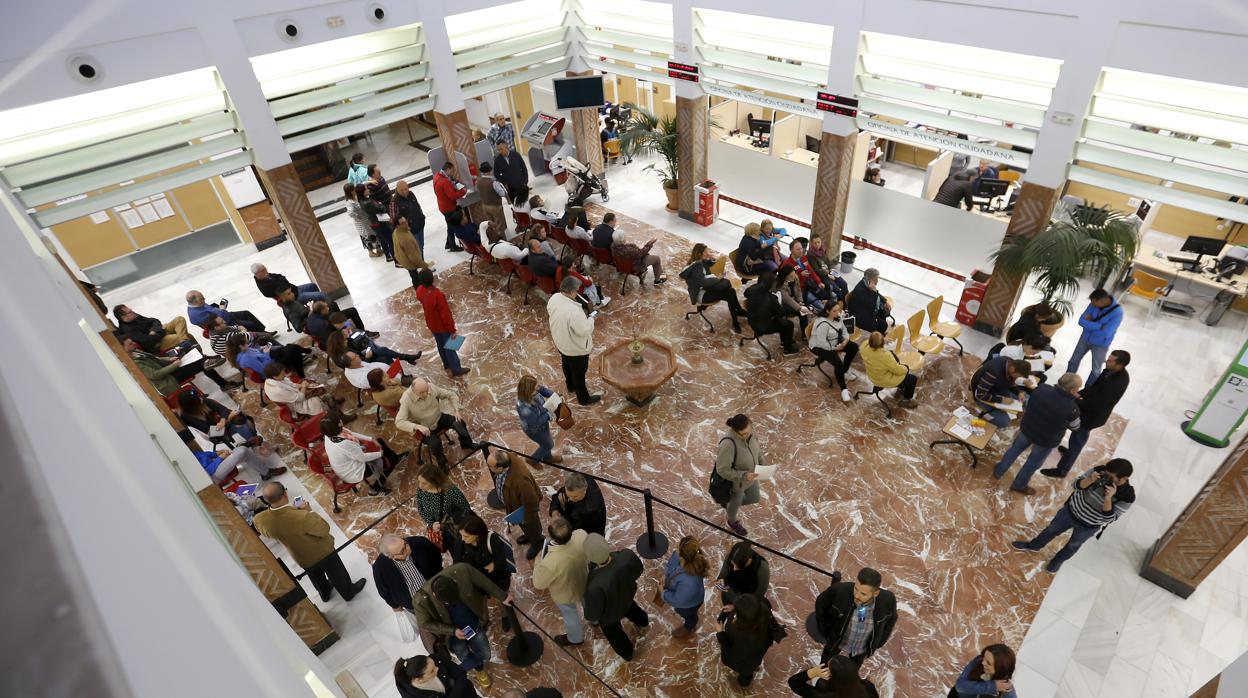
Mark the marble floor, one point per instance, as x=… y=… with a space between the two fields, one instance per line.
x=854 y=485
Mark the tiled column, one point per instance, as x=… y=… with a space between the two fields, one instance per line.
x=1030 y=217
x=1212 y=525
x=270 y=577
x=456 y=137
x=836 y=156
x=587 y=135
x=692 y=132
x=283 y=184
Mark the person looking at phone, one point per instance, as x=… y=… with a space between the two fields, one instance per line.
x=361 y=342
x=573 y=334
x=744 y=572
x=308 y=538
x=857 y=617
x=989 y=674
x=452 y=608
x=1101 y=496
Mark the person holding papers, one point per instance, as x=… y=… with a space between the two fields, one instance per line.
x=994 y=383
x=738 y=460
x=521 y=497
x=440 y=322
x=535 y=405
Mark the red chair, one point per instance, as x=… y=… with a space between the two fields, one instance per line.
x=510 y=268
x=546 y=283
x=307 y=436
x=579 y=246
x=318 y=463
x=602 y=255
x=185 y=387
x=287 y=417
x=523 y=221
x=477 y=251
x=628 y=267
x=527 y=278
x=250 y=375
x=559 y=234
x=394 y=412
x=421 y=445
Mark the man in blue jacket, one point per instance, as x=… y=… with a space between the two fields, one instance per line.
x=1050 y=412
x=1100 y=322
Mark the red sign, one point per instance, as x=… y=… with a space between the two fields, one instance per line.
x=685 y=67
x=837 y=99
x=682 y=76
x=836 y=109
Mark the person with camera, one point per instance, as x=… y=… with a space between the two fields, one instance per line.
x=1101 y=496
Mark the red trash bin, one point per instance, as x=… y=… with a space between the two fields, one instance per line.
x=708 y=202
x=972 y=295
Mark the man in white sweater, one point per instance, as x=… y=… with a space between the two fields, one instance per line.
x=573 y=333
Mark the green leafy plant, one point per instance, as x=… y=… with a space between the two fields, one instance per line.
x=1093 y=244
x=644 y=133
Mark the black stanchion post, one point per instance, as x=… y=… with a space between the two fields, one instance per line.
x=651 y=544
x=525 y=647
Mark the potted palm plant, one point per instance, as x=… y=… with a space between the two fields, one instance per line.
x=647 y=134
x=1094 y=243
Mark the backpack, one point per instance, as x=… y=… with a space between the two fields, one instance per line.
x=720 y=488
x=508 y=553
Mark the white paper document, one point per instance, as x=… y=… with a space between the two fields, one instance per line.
x=131 y=218
x=960 y=432
x=765 y=472
x=148 y=212
x=163 y=209
x=191 y=357
x=99 y=217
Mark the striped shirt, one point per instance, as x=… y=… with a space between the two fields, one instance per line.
x=218 y=338
x=415 y=580
x=1088 y=505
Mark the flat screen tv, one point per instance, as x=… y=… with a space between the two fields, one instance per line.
x=579 y=93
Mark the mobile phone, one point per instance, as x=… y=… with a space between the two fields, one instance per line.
x=721 y=586
x=593 y=314
x=298 y=500
x=469 y=633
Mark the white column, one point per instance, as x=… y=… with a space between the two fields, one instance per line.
x=576 y=49
x=441 y=60
x=1081 y=71
x=843 y=63
x=229 y=55
x=172 y=601
x=682 y=46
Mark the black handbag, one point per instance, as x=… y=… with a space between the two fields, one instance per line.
x=720 y=488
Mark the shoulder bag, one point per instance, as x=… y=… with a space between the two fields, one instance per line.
x=720 y=488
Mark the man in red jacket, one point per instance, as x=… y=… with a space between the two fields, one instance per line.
x=449 y=192
x=439 y=320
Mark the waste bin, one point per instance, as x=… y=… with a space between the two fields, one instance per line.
x=972 y=295
x=847 y=262
x=708 y=202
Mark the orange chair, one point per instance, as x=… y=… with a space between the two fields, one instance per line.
x=1149 y=287
x=318 y=463
x=943 y=330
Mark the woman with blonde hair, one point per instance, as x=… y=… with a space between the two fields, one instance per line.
x=885 y=371
x=535 y=417
x=770 y=236
x=753 y=257
x=684 y=584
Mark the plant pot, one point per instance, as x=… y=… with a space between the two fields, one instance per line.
x=673 y=197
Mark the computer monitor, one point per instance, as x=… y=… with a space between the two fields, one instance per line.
x=759 y=127
x=1203 y=246
x=812 y=144
x=993 y=187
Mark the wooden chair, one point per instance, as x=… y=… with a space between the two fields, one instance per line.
x=921 y=344
x=744 y=276
x=912 y=360
x=944 y=330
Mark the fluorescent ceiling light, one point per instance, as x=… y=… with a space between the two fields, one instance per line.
x=506 y=28
x=114 y=100
x=1021 y=66
x=1202 y=96
x=1170 y=119
x=764 y=45
x=330 y=53
x=799 y=41
x=957 y=79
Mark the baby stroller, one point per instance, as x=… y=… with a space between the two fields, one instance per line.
x=582 y=183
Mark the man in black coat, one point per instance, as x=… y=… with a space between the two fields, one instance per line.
x=868 y=306
x=856 y=618
x=766 y=315
x=1050 y=412
x=1096 y=402
x=604 y=232
x=509 y=168
x=957 y=188
x=271 y=286
x=540 y=263
x=402 y=568
x=580 y=502
x=609 y=592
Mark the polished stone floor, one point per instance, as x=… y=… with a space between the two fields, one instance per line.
x=1099 y=631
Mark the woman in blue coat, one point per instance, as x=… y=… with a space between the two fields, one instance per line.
x=684 y=584
x=989 y=674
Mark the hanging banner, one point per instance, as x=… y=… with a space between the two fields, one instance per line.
x=940 y=141
x=761 y=100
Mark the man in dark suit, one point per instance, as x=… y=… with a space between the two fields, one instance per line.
x=509 y=168
x=604 y=232
x=766 y=315
x=1096 y=402
x=540 y=263
x=403 y=567
x=580 y=502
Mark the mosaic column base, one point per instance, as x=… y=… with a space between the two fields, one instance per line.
x=1031 y=216
x=693 y=130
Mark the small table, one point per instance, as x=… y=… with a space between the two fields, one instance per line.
x=639 y=381
x=975 y=442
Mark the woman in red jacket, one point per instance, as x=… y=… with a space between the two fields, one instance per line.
x=438 y=318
